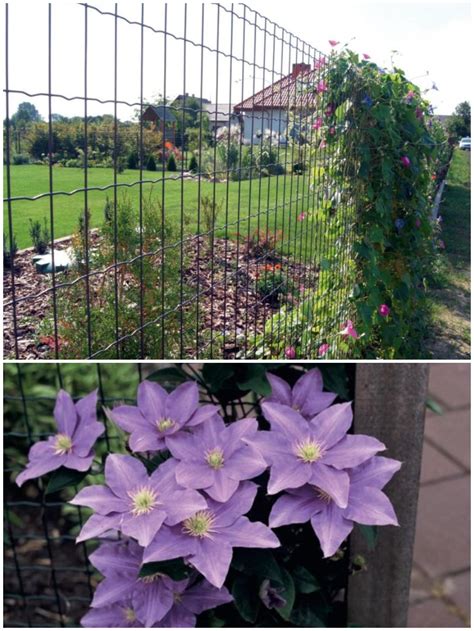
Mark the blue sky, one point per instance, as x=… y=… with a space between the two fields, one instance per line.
x=433 y=37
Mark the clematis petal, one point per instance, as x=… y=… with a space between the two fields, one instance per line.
x=146 y=440
x=182 y=402
x=79 y=463
x=182 y=504
x=286 y=420
x=281 y=391
x=244 y=533
x=117 y=557
x=85 y=436
x=331 y=425
x=295 y=509
x=183 y=446
x=151 y=399
x=239 y=504
x=235 y=433
x=194 y=475
x=178 y=618
x=244 y=464
x=110 y=590
x=42 y=460
x=143 y=527
x=100 y=499
x=129 y=418
x=333 y=482
x=169 y=543
x=124 y=472
x=152 y=602
x=203 y=596
x=65 y=413
x=98 y=525
x=352 y=450
x=104 y=617
x=370 y=506
x=376 y=471
x=331 y=528
x=213 y=561
x=223 y=487
x=269 y=444
x=202 y=414
x=287 y=472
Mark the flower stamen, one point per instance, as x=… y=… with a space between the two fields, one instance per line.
x=215 y=458
x=200 y=525
x=309 y=451
x=164 y=424
x=129 y=614
x=144 y=500
x=62 y=445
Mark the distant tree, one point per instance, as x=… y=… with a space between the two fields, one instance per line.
x=459 y=124
x=171 y=166
x=193 y=165
x=25 y=114
x=151 y=164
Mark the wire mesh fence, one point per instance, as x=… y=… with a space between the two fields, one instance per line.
x=192 y=223
x=48 y=580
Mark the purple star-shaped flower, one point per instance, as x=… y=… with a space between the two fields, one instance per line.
x=315 y=452
x=135 y=503
x=367 y=505
x=151 y=596
x=71 y=447
x=120 y=614
x=215 y=458
x=306 y=397
x=159 y=414
x=206 y=539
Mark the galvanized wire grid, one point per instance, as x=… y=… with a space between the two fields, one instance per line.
x=48 y=580
x=216 y=309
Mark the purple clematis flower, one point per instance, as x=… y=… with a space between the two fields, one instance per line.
x=71 y=447
x=120 y=614
x=367 y=505
x=159 y=414
x=151 y=597
x=135 y=503
x=215 y=458
x=306 y=397
x=192 y=600
x=314 y=452
x=206 y=539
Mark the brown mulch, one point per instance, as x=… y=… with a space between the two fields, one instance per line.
x=231 y=311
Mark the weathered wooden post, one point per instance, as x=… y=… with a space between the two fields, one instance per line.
x=390 y=404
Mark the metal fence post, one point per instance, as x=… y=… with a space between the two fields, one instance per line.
x=389 y=404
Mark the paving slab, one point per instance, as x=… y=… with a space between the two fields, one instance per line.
x=450 y=384
x=459 y=590
x=442 y=542
x=451 y=433
x=435 y=466
x=432 y=613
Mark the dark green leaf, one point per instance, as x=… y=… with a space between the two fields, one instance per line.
x=255 y=379
x=336 y=380
x=259 y=563
x=305 y=582
x=370 y=535
x=245 y=593
x=435 y=407
x=62 y=478
x=215 y=375
x=169 y=377
x=288 y=593
x=307 y=616
x=175 y=569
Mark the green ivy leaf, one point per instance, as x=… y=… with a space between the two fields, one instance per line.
x=63 y=478
x=308 y=615
x=169 y=377
x=245 y=593
x=288 y=593
x=215 y=375
x=305 y=582
x=175 y=569
x=260 y=563
x=255 y=379
x=370 y=535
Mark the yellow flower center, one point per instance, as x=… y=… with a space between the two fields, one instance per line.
x=215 y=458
x=129 y=614
x=200 y=525
x=144 y=500
x=62 y=445
x=164 y=424
x=151 y=578
x=308 y=451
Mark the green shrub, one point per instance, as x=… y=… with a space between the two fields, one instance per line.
x=39 y=236
x=210 y=210
x=21 y=158
x=171 y=164
x=9 y=251
x=132 y=160
x=193 y=165
x=151 y=164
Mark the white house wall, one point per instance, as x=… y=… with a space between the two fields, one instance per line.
x=276 y=120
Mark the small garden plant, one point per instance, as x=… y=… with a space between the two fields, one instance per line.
x=210 y=519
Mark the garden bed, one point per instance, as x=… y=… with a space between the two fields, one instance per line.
x=224 y=299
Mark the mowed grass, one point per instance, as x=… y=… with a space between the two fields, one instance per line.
x=248 y=205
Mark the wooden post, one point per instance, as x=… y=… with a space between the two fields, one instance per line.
x=390 y=405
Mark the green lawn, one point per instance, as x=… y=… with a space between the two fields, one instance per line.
x=31 y=180
x=451 y=294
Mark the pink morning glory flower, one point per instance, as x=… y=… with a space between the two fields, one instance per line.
x=159 y=414
x=215 y=459
x=384 y=310
x=348 y=330
x=71 y=446
x=365 y=56
x=419 y=113
x=331 y=108
x=318 y=123
x=301 y=216
x=135 y=503
x=323 y=349
x=290 y=352
x=333 y=42
x=306 y=396
x=441 y=244
x=322 y=87
x=313 y=452
x=206 y=539
x=410 y=96
x=417 y=222
x=323 y=144
x=332 y=524
x=405 y=160
x=319 y=63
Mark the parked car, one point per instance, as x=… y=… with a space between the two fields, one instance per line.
x=465 y=143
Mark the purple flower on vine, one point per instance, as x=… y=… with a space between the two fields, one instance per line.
x=306 y=396
x=290 y=352
x=410 y=97
x=318 y=123
x=206 y=539
x=367 y=101
x=134 y=502
x=405 y=160
x=384 y=311
x=349 y=330
x=399 y=223
x=159 y=414
x=71 y=446
x=323 y=350
x=332 y=524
